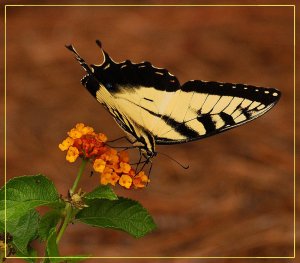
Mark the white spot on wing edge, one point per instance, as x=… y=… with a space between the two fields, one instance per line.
x=107 y=66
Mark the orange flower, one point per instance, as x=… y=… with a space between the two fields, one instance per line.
x=112 y=165
x=108 y=177
x=114 y=178
x=140 y=180
x=116 y=167
x=105 y=178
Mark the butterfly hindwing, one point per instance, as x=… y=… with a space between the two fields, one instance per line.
x=197 y=110
x=208 y=108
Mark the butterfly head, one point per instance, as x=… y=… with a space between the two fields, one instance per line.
x=147 y=153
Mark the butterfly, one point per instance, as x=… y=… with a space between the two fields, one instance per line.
x=153 y=108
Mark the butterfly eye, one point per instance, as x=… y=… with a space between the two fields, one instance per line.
x=109 y=86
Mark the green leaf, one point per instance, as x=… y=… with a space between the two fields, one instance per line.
x=52 y=249
x=23 y=230
x=25 y=193
x=47 y=222
x=101 y=192
x=123 y=214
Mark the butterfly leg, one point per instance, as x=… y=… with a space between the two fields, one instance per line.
x=138 y=163
x=145 y=162
x=124 y=148
x=120 y=138
x=150 y=169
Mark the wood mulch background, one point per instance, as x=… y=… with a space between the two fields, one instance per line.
x=236 y=199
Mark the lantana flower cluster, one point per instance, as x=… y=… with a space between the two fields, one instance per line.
x=113 y=166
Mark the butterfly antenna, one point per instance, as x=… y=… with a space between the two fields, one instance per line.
x=171 y=158
x=79 y=59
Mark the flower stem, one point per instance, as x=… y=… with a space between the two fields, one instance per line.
x=68 y=207
x=79 y=174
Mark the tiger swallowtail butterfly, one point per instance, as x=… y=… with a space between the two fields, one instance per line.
x=152 y=107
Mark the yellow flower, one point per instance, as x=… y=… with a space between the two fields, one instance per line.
x=87 y=130
x=80 y=130
x=125 y=167
x=74 y=133
x=79 y=126
x=72 y=154
x=125 y=181
x=99 y=165
x=66 y=144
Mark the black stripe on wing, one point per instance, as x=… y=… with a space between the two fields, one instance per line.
x=175 y=125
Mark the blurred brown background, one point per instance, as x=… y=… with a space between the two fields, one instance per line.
x=237 y=197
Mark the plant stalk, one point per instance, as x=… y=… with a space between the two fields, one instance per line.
x=68 y=207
